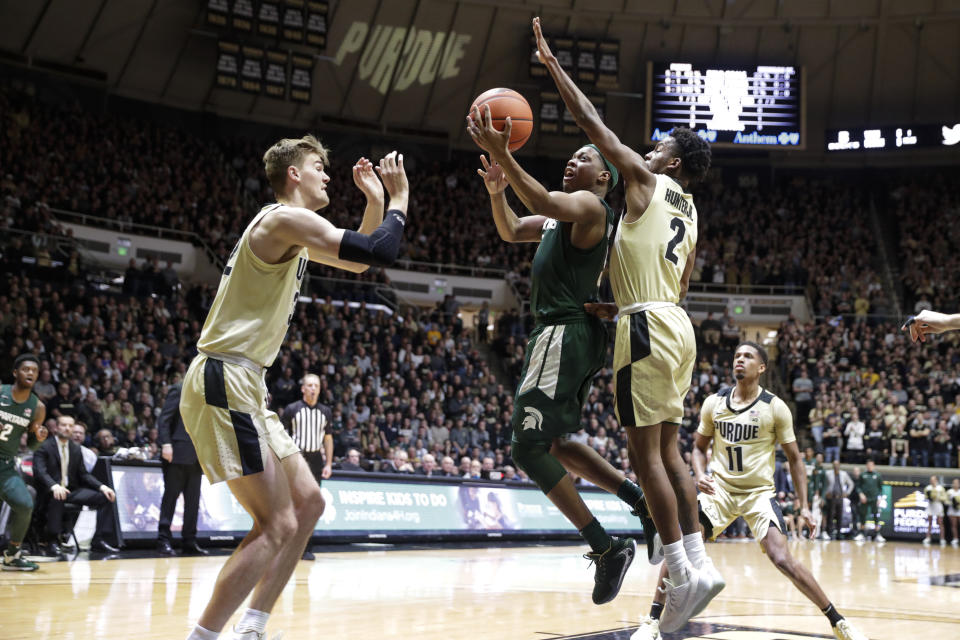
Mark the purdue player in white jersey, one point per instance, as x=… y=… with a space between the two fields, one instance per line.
x=223 y=403
x=650 y=266
x=745 y=424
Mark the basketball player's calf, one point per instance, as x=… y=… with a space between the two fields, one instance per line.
x=612 y=556
x=587 y=463
x=258 y=562
x=308 y=506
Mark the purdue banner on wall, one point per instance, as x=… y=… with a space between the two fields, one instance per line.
x=228 y=64
x=251 y=74
x=317 y=23
x=301 y=78
x=276 y=74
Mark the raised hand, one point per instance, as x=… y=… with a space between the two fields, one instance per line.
x=543 y=49
x=493 y=177
x=480 y=127
x=366 y=179
x=394 y=178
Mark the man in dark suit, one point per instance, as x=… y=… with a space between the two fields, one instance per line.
x=61 y=478
x=181 y=474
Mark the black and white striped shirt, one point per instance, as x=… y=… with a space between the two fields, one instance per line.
x=307 y=424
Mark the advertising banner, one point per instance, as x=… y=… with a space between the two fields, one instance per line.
x=373 y=509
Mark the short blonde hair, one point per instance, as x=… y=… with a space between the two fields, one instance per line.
x=290 y=152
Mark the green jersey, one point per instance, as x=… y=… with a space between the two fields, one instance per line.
x=564 y=277
x=869 y=484
x=816 y=483
x=15 y=417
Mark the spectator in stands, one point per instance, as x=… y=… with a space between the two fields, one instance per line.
x=854 y=431
x=447 y=468
x=104 y=443
x=803 y=397
x=899 y=447
x=876 y=445
x=64 y=403
x=79 y=436
x=838 y=486
x=428 y=466
x=832 y=437
x=919 y=439
x=352 y=461
x=942 y=445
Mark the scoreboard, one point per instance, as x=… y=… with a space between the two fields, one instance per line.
x=759 y=107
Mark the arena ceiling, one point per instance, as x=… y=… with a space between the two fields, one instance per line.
x=868 y=62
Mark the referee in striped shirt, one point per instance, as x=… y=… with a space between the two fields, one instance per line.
x=307 y=421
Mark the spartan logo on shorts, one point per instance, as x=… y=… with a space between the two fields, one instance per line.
x=533 y=419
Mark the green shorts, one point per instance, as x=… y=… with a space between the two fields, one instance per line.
x=561 y=361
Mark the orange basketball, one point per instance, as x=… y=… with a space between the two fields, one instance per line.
x=507 y=102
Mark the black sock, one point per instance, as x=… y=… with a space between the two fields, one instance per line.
x=655 y=610
x=832 y=615
x=630 y=493
x=596 y=536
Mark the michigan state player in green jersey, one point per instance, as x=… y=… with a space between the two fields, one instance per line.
x=868 y=489
x=20 y=411
x=567 y=346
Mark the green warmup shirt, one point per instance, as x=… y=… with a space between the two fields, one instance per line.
x=870 y=484
x=15 y=417
x=816 y=483
x=563 y=277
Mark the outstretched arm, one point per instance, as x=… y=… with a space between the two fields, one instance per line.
x=580 y=206
x=510 y=227
x=630 y=163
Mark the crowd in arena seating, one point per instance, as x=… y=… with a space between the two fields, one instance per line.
x=922 y=208
x=420 y=382
x=862 y=390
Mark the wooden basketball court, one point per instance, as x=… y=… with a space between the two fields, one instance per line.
x=896 y=591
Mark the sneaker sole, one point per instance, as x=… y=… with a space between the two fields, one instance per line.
x=631 y=550
x=8 y=568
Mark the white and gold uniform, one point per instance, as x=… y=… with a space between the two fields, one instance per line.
x=953 y=504
x=224 y=398
x=936 y=496
x=742 y=465
x=655 y=346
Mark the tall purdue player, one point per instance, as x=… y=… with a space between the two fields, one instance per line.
x=224 y=397
x=567 y=346
x=650 y=266
x=744 y=424
x=20 y=411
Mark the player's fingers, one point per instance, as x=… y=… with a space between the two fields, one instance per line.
x=507 y=126
x=484 y=162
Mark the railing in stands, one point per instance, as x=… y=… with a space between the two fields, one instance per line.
x=321 y=286
x=748 y=289
x=142 y=229
x=451 y=269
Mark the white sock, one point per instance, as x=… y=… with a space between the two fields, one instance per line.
x=693 y=546
x=676 y=560
x=252 y=620
x=199 y=633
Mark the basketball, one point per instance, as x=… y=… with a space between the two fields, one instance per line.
x=507 y=102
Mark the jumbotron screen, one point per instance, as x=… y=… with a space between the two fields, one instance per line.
x=748 y=107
